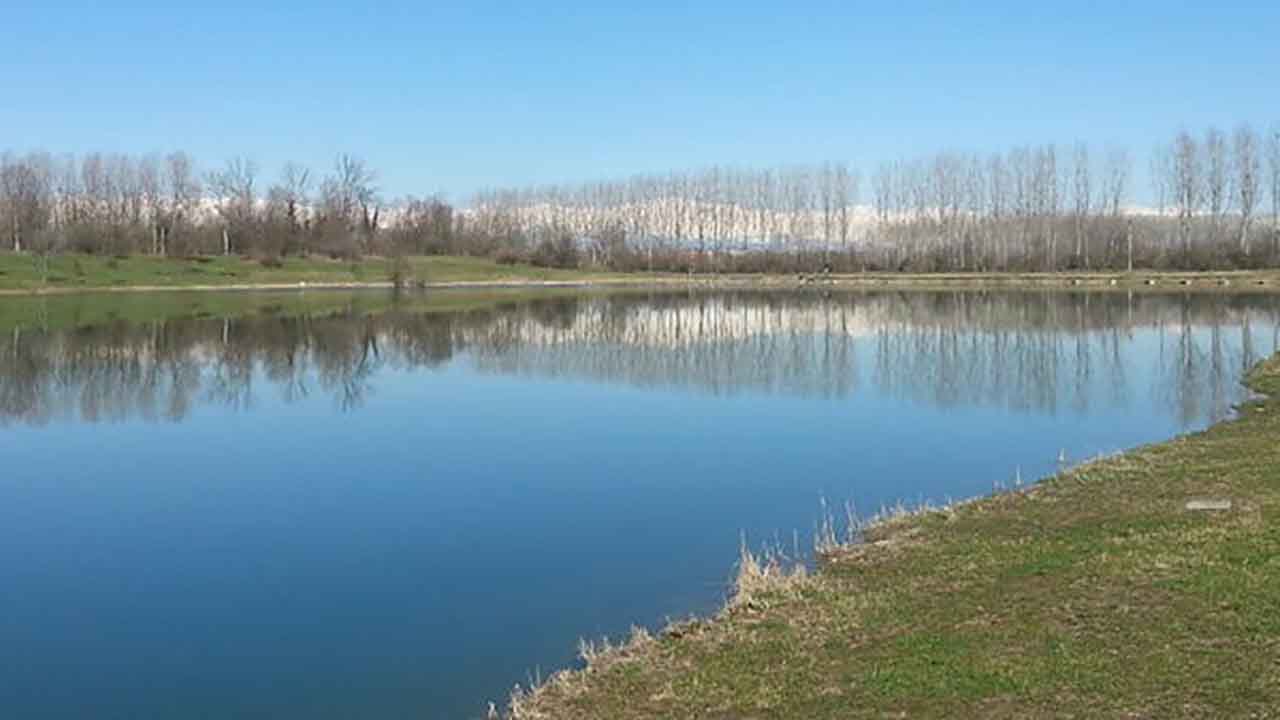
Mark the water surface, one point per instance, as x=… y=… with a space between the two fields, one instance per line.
x=399 y=509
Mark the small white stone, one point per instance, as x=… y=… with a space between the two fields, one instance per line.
x=1208 y=504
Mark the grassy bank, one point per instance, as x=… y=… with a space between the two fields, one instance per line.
x=84 y=272
x=22 y=274
x=1093 y=594
x=1242 y=280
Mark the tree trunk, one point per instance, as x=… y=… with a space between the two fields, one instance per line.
x=1079 y=242
x=1128 y=239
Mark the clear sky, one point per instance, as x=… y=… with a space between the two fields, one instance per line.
x=453 y=97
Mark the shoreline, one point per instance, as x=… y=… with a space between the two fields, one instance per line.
x=1219 y=281
x=303 y=286
x=792 y=644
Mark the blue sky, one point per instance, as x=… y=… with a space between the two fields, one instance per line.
x=459 y=96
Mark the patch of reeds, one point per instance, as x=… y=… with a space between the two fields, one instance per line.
x=761 y=577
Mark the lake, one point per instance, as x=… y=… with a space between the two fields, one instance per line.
x=361 y=506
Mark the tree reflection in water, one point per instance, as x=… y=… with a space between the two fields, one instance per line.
x=1034 y=352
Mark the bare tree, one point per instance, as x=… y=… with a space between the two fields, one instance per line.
x=1217 y=181
x=287 y=204
x=184 y=191
x=128 y=213
x=70 y=197
x=1248 y=179
x=846 y=194
x=1082 y=194
x=1273 y=167
x=1115 y=187
x=998 y=194
x=24 y=199
x=1187 y=186
x=234 y=192
x=149 y=185
x=349 y=204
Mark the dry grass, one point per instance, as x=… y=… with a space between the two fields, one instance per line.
x=761 y=578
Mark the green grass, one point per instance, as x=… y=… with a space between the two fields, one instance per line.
x=21 y=272
x=1094 y=594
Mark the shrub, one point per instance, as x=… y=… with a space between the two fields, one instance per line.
x=401 y=271
x=507 y=256
x=560 y=253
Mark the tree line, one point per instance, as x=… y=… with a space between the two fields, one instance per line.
x=1215 y=204
x=165 y=206
x=1034 y=208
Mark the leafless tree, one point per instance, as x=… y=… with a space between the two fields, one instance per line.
x=1248 y=179
x=152 y=193
x=1187 y=186
x=349 y=206
x=1082 y=194
x=183 y=189
x=1273 y=168
x=1217 y=181
x=1031 y=208
x=234 y=191
x=287 y=203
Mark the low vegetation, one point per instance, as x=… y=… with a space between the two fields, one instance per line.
x=1096 y=593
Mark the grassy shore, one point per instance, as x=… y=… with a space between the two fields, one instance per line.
x=1093 y=594
x=76 y=272
x=1235 y=280
x=29 y=274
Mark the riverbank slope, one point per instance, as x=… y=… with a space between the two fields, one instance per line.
x=1097 y=593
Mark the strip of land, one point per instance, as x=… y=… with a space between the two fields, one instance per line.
x=22 y=274
x=1145 y=585
x=76 y=273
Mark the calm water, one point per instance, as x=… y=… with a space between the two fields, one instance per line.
x=402 y=514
